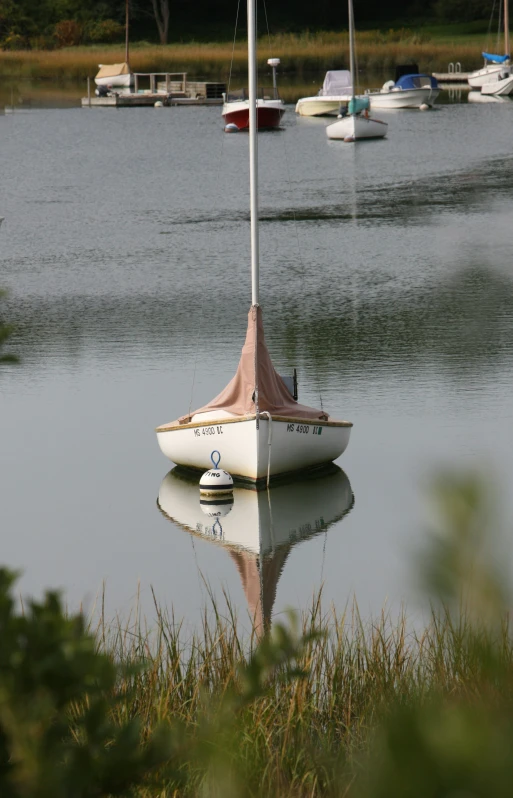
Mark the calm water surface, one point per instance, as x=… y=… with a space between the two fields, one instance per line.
x=386 y=279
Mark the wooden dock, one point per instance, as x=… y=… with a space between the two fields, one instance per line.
x=173 y=88
x=142 y=100
x=453 y=74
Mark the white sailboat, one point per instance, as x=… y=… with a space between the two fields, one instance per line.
x=496 y=71
x=255 y=423
x=358 y=124
x=117 y=75
x=501 y=83
x=258 y=529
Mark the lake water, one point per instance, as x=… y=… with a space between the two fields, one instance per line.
x=386 y=280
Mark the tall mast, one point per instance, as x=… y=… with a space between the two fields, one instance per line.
x=352 y=65
x=506 y=27
x=126 y=31
x=253 y=150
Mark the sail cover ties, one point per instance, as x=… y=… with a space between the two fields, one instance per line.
x=255 y=369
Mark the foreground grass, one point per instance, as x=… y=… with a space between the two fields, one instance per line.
x=307 y=735
x=377 y=50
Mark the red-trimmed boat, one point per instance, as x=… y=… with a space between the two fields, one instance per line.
x=270 y=109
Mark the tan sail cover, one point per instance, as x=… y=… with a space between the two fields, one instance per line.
x=113 y=70
x=257 y=371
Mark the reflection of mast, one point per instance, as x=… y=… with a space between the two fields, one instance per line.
x=260 y=576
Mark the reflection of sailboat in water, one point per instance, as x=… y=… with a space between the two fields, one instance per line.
x=259 y=528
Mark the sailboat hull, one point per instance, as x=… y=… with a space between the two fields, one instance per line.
x=268 y=114
x=356 y=127
x=484 y=75
x=251 y=450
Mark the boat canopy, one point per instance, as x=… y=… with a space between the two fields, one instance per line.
x=358 y=104
x=113 y=70
x=495 y=59
x=336 y=82
x=416 y=82
x=256 y=373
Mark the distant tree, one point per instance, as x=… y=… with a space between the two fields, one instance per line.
x=161 y=13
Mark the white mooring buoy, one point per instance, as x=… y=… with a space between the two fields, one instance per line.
x=159 y=104
x=231 y=128
x=424 y=107
x=216 y=481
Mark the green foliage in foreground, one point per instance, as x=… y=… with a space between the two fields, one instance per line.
x=338 y=707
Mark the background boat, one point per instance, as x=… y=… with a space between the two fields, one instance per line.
x=336 y=90
x=408 y=91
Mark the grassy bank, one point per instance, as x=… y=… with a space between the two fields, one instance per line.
x=331 y=705
x=308 y=735
x=377 y=50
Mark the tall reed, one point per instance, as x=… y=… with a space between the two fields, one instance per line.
x=298 y=53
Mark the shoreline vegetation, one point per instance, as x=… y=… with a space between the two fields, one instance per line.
x=299 y=54
x=329 y=705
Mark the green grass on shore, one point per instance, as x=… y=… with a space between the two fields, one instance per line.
x=377 y=50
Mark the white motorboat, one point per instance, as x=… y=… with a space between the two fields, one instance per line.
x=496 y=67
x=500 y=85
x=358 y=123
x=337 y=90
x=256 y=422
x=409 y=91
x=258 y=529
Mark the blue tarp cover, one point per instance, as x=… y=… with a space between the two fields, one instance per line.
x=417 y=81
x=495 y=59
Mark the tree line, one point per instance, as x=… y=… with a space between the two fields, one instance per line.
x=53 y=23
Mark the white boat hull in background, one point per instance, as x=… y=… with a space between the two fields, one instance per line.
x=402 y=98
x=357 y=127
x=281 y=446
x=481 y=76
x=321 y=106
x=117 y=81
x=499 y=87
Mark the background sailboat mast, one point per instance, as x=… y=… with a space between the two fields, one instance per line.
x=352 y=65
x=126 y=31
x=253 y=150
x=506 y=27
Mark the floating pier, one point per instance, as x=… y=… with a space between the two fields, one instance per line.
x=453 y=74
x=169 y=88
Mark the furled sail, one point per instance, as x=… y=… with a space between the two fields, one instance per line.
x=256 y=382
